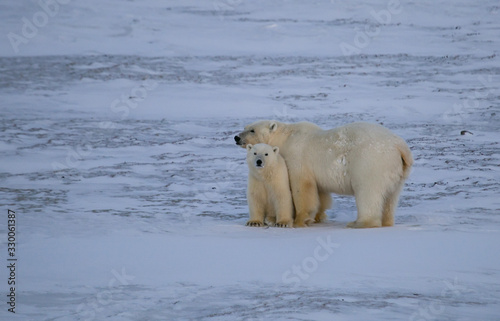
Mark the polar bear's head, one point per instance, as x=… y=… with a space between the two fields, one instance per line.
x=258 y=132
x=261 y=155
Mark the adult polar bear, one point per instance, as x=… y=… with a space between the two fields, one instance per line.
x=361 y=159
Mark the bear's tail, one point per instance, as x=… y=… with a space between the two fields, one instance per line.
x=406 y=158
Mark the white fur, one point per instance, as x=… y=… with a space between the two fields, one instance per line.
x=269 y=196
x=361 y=159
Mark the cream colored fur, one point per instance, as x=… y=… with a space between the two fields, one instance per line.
x=268 y=194
x=361 y=159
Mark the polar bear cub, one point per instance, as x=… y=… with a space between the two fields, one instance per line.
x=268 y=194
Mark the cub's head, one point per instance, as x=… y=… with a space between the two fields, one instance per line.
x=258 y=132
x=261 y=155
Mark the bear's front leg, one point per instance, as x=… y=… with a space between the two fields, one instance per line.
x=325 y=202
x=306 y=200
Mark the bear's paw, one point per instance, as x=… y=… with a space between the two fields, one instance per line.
x=255 y=223
x=363 y=224
x=320 y=217
x=303 y=223
x=284 y=224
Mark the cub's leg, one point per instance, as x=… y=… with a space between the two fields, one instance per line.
x=325 y=202
x=270 y=213
x=257 y=202
x=283 y=204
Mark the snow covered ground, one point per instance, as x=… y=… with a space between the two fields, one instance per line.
x=117 y=155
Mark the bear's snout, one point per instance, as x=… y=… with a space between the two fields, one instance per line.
x=259 y=163
x=237 y=139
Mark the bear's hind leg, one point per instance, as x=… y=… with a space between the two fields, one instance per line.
x=390 y=205
x=369 y=204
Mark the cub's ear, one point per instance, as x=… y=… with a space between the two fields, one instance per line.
x=249 y=146
x=273 y=126
x=276 y=149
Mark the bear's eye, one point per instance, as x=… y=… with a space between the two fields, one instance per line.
x=266 y=154
x=255 y=153
x=252 y=131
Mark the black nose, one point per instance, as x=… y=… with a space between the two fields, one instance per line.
x=237 y=138
x=259 y=162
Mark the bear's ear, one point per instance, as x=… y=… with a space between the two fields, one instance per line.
x=249 y=146
x=273 y=126
x=276 y=149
